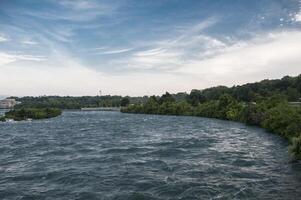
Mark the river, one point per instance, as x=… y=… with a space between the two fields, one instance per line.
x=110 y=155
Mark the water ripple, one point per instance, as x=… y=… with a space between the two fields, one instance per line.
x=109 y=156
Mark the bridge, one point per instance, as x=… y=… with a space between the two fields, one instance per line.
x=297 y=103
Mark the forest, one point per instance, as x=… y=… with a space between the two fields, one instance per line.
x=70 y=102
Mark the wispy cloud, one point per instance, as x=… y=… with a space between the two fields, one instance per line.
x=29 y=42
x=66 y=16
x=150 y=52
x=6 y=58
x=191 y=43
x=75 y=10
x=116 y=51
x=78 y=4
x=220 y=60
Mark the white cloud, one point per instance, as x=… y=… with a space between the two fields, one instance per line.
x=3 y=38
x=29 y=42
x=72 y=78
x=298 y=17
x=156 y=60
x=6 y=58
x=29 y=58
x=150 y=52
x=274 y=54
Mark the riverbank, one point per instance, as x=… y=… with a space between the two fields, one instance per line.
x=273 y=114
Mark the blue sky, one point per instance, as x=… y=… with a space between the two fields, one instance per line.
x=143 y=47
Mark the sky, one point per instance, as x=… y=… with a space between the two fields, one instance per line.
x=143 y=47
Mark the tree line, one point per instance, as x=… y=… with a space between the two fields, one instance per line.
x=70 y=102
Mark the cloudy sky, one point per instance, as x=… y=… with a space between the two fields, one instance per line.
x=143 y=47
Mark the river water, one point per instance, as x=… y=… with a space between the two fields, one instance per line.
x=110 y=155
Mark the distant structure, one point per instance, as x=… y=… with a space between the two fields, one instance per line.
x=102 y=109
x=296 y=103
x=8 y=103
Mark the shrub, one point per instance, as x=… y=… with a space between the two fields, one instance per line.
x=295 y=147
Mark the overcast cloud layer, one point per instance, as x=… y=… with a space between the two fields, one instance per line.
x=127 y=47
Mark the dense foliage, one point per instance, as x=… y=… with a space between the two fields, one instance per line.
x=31 y=113
x=288 y=87
x=69 y=102
x=264 y=104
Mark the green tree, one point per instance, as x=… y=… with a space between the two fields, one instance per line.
x=167 y=97
x=125 y=101
x=195 y=97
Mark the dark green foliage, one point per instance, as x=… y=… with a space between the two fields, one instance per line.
x=69 y=102
x=155 y=106
x=76 y=102
x=295 y=147
x=292 y=94
x=125 y=101
x=215 y=93
x=207 y=109
x=195 y=97
x=251 y=114
x=181 y=96
x=2 y=119
x=32 y=113
x=166 y=98
x=284 y=120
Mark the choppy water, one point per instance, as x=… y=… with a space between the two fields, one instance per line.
x=109 y=155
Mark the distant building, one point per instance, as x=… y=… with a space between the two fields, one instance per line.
x=8 y=103
x=297 y=103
